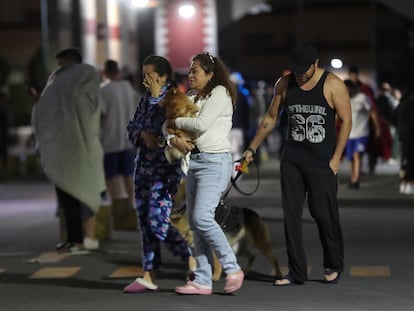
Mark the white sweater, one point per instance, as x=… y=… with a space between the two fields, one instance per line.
x=213 y=123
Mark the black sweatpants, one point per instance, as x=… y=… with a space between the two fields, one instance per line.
x=320 y=186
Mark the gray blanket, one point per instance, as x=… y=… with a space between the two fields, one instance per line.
x=66 y=124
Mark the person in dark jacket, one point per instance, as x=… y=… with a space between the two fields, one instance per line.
x=405 y=125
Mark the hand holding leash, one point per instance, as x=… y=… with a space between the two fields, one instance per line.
x=249 y=154
x=243 y=167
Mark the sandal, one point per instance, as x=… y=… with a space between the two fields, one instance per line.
x=287 y=280
x=328 y=272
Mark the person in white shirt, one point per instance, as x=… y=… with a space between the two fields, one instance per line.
x=118 y=103
x=362 y=112
x=209 y=171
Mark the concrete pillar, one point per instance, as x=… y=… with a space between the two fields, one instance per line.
x=64 y=36
x=102 y=49
x=88 y=27
x=114 y=34
x=128 y=38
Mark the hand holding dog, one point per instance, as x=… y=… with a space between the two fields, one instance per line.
x=150 y=140
x=181 y=143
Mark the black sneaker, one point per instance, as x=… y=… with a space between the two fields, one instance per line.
x=63 y=245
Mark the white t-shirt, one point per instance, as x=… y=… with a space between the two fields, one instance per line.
x=213 y=123
x=118 y=104
x=360 y=105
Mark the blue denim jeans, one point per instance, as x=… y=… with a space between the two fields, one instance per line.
x=208 y=177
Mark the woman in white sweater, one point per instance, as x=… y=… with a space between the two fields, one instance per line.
x=209 y=171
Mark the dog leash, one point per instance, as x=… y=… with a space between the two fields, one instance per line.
x=241 y=169
x=223 y=210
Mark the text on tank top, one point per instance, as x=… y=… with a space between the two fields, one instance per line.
x=311 y=125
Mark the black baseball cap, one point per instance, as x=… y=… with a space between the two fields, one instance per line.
x=302 y=57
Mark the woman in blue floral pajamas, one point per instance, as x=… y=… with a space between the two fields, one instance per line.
x=155 y=179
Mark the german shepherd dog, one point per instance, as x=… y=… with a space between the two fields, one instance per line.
x=177 y=104
x=242 y=227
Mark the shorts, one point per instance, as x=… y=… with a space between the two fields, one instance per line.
x=119 y=163
x=356 y=145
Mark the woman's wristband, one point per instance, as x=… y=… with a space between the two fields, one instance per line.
x=251 y=150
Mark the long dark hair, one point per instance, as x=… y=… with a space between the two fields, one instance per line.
x=221 y=76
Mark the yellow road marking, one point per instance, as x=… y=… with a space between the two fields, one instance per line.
x=358 y=271
x=127 y=272
x=49 y=257
x=370 y=271
x=55 y=272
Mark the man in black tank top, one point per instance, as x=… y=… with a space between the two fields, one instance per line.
x=312 y=98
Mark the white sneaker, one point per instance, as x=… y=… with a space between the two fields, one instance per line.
x=90 y=244
x=402 y=187
x=409 y=188
x=392 y=161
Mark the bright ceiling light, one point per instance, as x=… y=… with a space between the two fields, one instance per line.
x=140 y=3
x=186 y=11
x=336 y=63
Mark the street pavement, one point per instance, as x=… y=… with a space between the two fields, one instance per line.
x=379 y=255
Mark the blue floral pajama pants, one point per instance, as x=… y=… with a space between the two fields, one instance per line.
x=154 y=204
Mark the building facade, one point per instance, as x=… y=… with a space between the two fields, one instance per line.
x=253 y=37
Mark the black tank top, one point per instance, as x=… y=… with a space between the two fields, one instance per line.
x=311 y=125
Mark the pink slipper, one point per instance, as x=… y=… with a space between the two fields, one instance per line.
x=141 y=286
x=192 y=288
x=233 y=282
